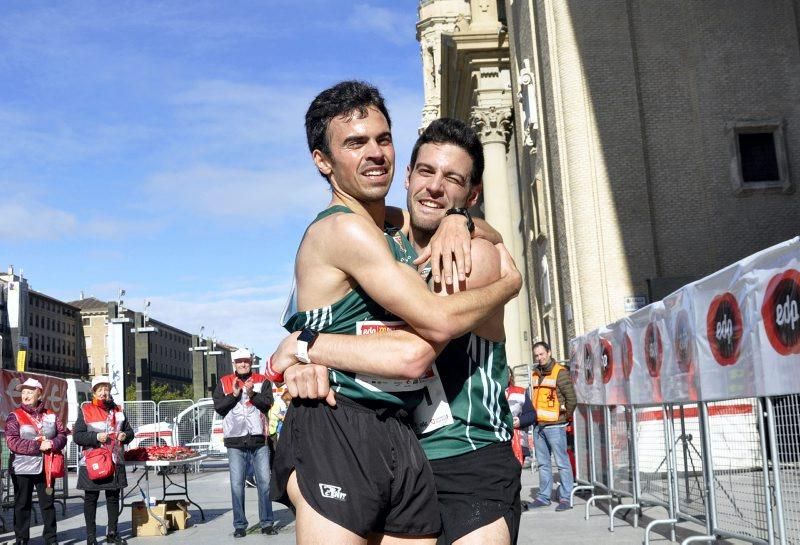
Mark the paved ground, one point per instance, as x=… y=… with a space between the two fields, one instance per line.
x=210 y=488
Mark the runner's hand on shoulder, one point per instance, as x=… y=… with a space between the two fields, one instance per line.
x=309 y=382
x=450 y=243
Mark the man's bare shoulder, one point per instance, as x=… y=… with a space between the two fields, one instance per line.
x=485 y=264
x=398 y=217
x=341 y=229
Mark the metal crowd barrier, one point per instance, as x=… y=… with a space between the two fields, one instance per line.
x=732 y=467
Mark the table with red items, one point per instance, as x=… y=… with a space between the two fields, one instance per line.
x=164 y=467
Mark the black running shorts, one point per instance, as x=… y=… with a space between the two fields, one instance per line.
x=477 y=488
x=358 y=468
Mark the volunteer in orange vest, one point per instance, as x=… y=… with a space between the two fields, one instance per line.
x=102 y=424
x=243 y=399
x=550 y=405
x=31 y=433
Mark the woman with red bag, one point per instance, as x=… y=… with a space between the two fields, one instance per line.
x=101 y=424
x=33 y=432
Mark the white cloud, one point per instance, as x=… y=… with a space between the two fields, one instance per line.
x=247 y=316
x=31 y=221
x=252 y=196
x=26 y=216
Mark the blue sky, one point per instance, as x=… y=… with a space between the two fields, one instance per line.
x=159 y=146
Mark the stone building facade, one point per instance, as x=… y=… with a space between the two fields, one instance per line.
x=47 y=331
x=652 y=142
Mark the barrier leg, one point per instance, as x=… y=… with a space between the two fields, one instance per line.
x=655 y=523
x=619 y=508
x=696 y=539
x=593 y=499
x=575 y=489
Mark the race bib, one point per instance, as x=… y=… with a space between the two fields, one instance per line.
x=434 y=410
x=380 y=384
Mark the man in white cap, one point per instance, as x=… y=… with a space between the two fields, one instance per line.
x=243 y=399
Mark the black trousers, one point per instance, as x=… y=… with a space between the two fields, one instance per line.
x=90 y=498
x=23 y=504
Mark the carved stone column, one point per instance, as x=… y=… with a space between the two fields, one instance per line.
x=494 y=125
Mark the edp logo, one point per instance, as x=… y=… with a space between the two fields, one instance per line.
x=780 y=312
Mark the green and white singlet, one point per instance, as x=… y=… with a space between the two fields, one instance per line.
x=358 y=314
x=474 y=375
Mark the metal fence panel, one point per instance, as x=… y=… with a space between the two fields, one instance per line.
x=600 y=449
x=738 y=466
x=182 y=430
x=583 y=452
x=142 y=417
x=688 y=452
x=620 y=426
x=654 y=462
x=787 y=443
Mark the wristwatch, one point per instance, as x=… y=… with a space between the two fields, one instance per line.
x=463 y=212
x=304 y=342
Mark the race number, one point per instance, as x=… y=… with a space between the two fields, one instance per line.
x=434 y=410
x=380 y=384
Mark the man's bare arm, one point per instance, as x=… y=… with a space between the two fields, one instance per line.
x=403 y=353
x=359 y=249
x=450 y=245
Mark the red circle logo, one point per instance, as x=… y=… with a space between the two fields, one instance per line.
x=627 y=356
x=588 y=364
x=781 y=312
x=724 y=328
x=684 y=348
x=607 y=359
x=653 y=349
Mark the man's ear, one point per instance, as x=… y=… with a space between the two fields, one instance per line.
x=408 y=176
x=324 y=164
x=474 y=192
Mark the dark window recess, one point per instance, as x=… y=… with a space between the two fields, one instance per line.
x=758 y=157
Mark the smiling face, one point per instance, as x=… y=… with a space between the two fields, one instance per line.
x=30 y=396
x=541 y=355
x=439 y=180
x=242 y=365
x=361 y=159
x=102 y=392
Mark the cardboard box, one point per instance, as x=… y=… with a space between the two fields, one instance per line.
x=144 y=524
x=178 y=514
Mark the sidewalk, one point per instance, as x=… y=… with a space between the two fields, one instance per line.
x=210 y=488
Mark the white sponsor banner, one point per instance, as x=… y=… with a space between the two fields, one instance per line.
x=726 y=354
x=775 y=275
x=615 y=381
x=647 y=346
x=591 y=369
x=679 y=372
x=576 y=369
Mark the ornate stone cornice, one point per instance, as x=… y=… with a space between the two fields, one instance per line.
x=493 y=124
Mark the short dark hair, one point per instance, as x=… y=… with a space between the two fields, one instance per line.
x=447 y=130
x=343 y=99
x=543 y=345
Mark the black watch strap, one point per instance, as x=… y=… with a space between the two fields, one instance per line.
x=463 y=212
